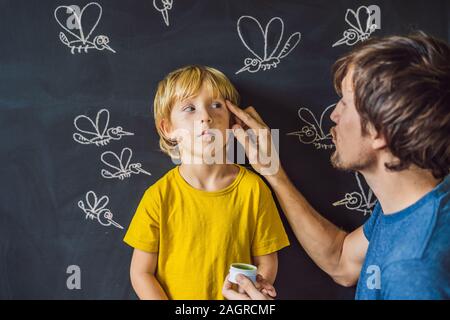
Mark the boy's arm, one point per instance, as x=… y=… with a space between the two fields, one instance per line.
x=142 y=274
x=267 y=266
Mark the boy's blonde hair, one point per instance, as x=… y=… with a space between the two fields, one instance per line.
x=185 y=83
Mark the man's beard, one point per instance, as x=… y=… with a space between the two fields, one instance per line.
x=336 y=160
x=361 y=164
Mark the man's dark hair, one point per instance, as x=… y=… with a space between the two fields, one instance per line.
x=402 y=87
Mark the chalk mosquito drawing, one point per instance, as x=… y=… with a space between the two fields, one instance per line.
x=95 y=210
x=121 y=165
x=98 y=133
x=313 y=131
x=80 y=41
x=362 y=200
x=163 y=6
x=362 y=24
x=269 y=57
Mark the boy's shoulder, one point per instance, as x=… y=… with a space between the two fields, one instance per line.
x=252 y=180
x=162 y=184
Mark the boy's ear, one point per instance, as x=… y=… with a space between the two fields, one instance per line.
x=166 y=128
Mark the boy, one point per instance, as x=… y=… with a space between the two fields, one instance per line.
x=202 y=215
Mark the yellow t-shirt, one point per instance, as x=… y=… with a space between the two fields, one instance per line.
x=198 y=234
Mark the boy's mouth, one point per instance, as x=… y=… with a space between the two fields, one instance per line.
x=206 y=133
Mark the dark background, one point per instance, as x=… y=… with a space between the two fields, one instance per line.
x=43 y=87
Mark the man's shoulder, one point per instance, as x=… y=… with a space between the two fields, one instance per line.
x=416 y=246
x=439 y=241
x=442 y=199
x=438 y=245
x=443 y=204
x=435 y=253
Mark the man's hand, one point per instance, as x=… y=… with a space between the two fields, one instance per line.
x=262 y=290
x=257 y=142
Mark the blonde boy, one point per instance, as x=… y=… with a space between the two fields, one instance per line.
x=202 y=215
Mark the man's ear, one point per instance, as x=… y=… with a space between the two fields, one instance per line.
x=378 y=139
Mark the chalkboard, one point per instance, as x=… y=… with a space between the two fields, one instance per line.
x=77 y=81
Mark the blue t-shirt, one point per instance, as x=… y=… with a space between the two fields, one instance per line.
x=409 y=251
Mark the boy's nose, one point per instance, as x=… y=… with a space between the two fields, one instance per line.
x=205 y=117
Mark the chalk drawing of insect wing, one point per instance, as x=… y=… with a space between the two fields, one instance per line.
x=97 y=133
x=121 y=165
x=264 y=44
x=362 y=200
x=163 y=6
x=362 y=24
x=95 y=210
x=81 y=21
x=313 y=131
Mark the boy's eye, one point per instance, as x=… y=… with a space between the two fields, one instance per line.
x=216 y=105
x=189 y=108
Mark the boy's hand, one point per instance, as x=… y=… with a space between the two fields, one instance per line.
x=257 y=141
x=262 y=290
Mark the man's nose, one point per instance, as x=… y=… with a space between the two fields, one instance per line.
x=334 y=116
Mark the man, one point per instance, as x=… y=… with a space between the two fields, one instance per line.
x=392 y=126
